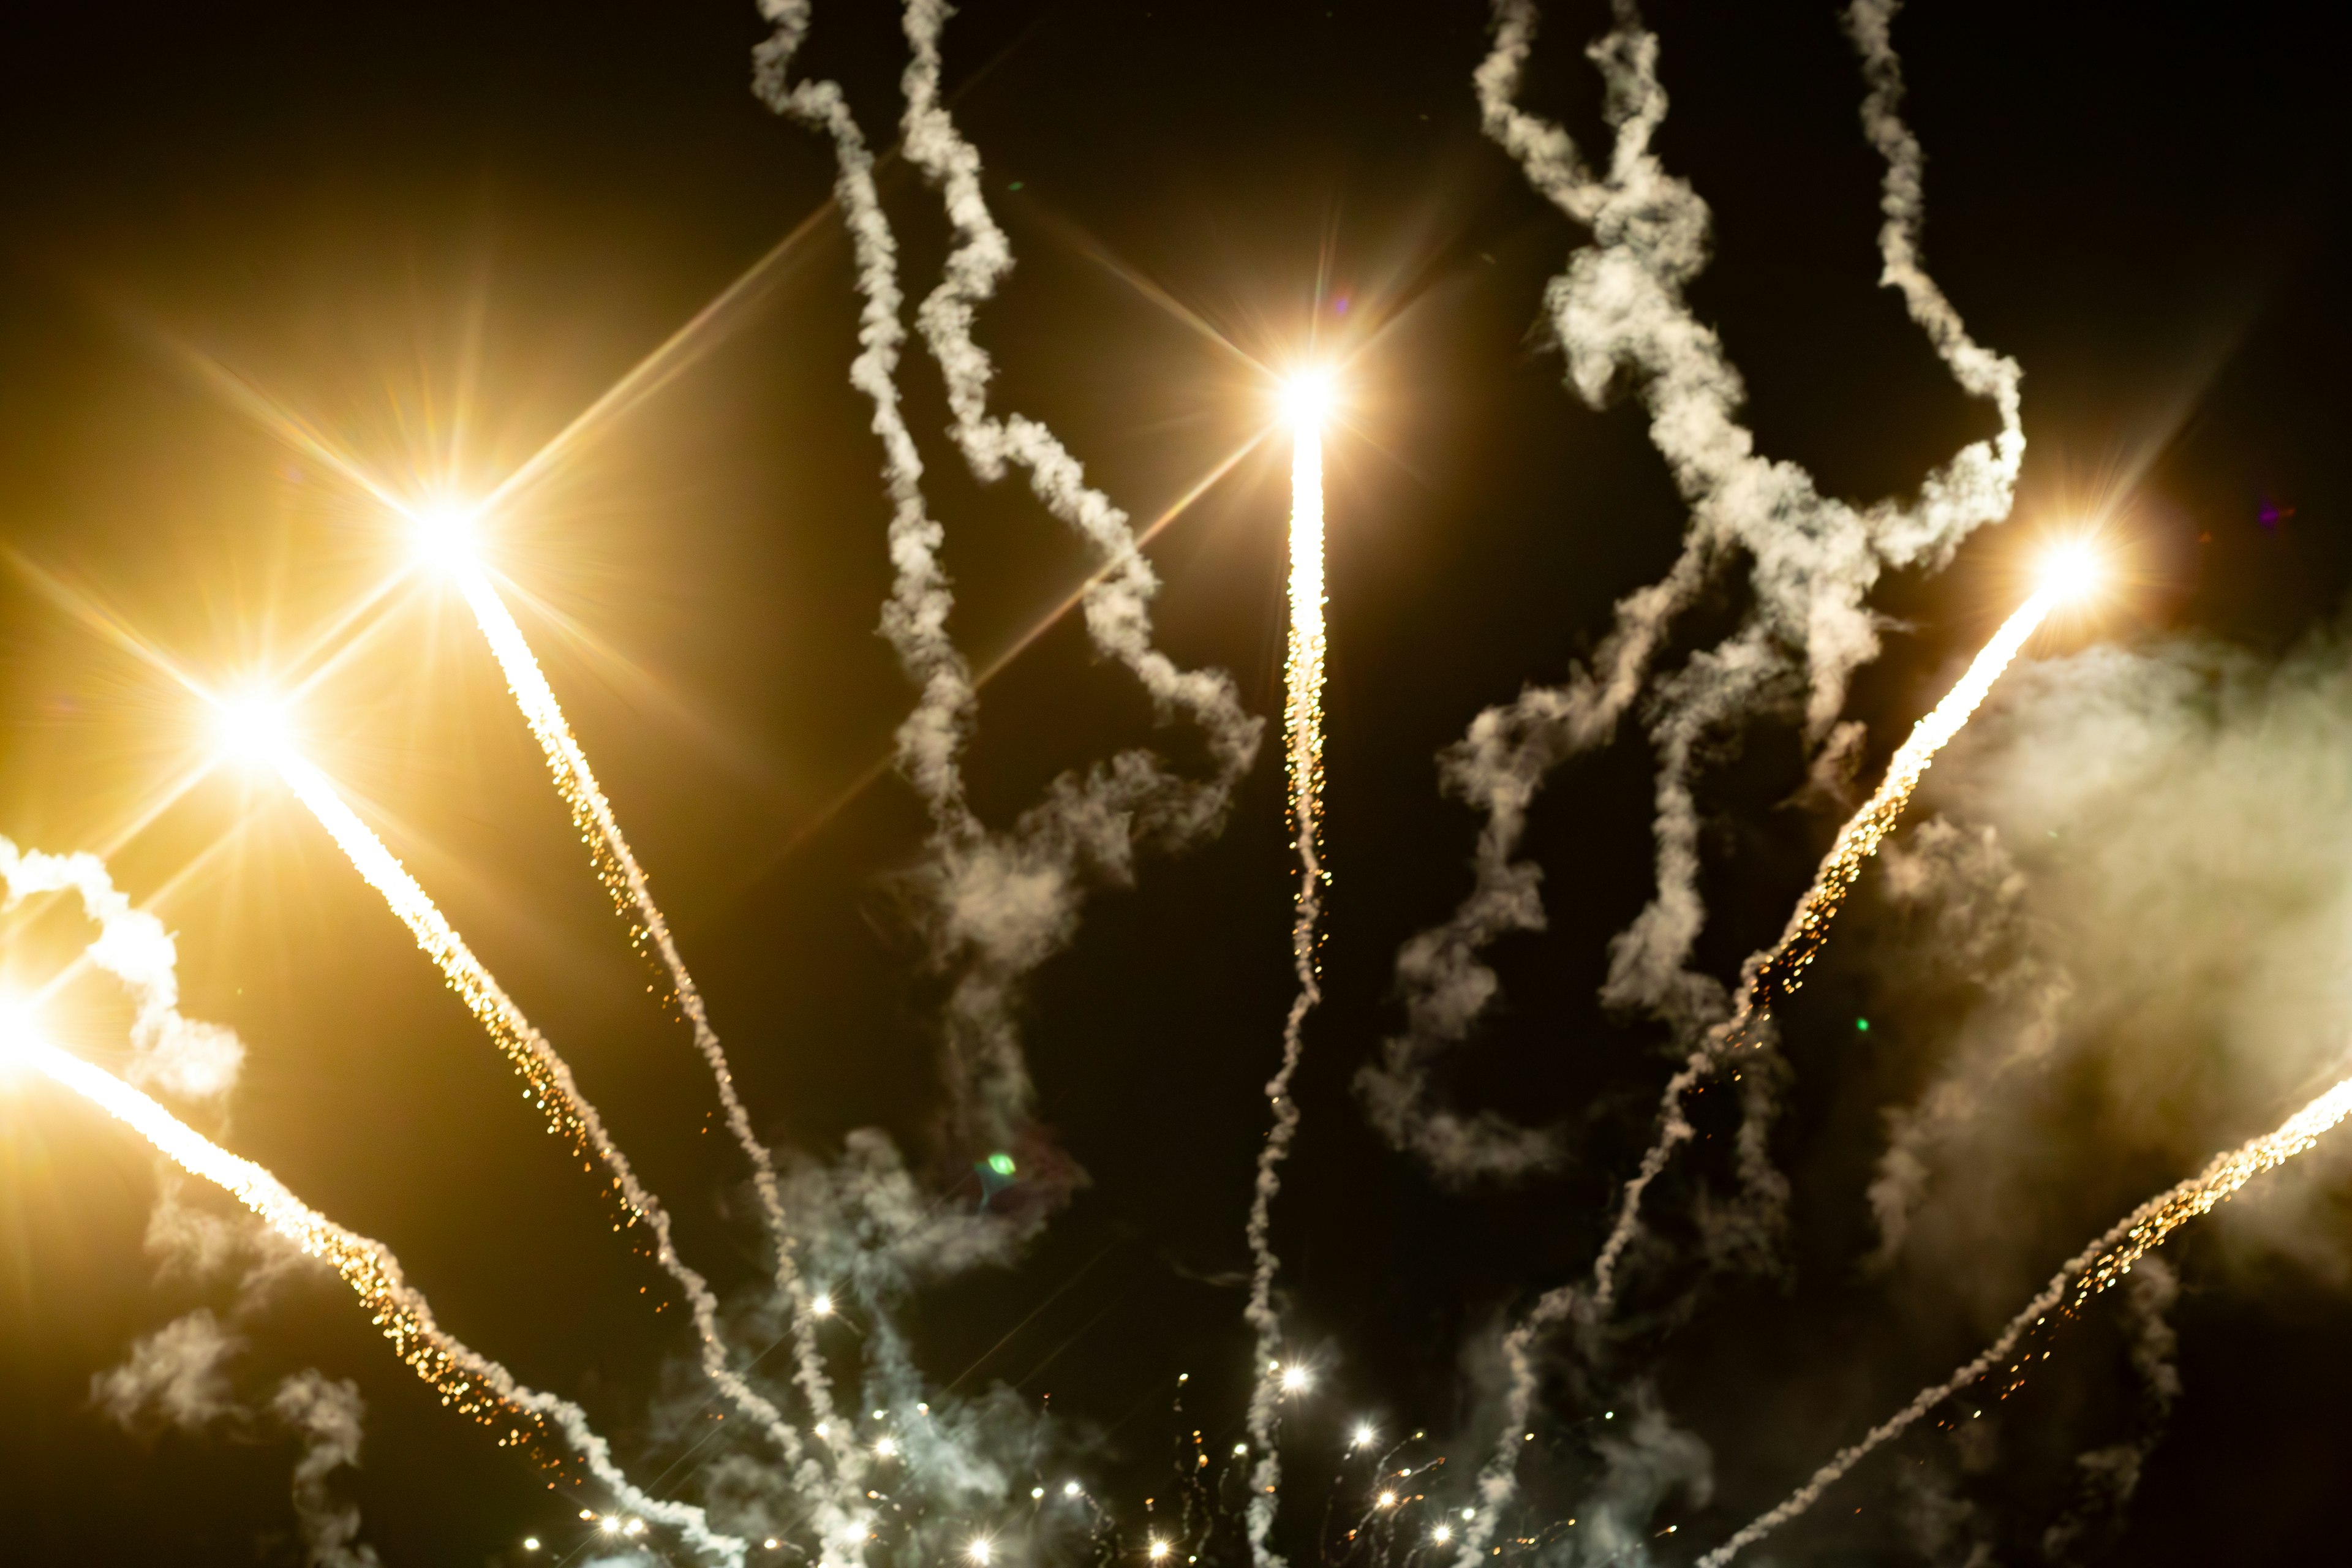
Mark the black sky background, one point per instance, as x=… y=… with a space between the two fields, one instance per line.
x=2143 y=206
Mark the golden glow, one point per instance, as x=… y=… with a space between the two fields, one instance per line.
x=1386 y=1500
x=2070 y=570
x=1158 y=1550
x=1306 y=399
x=252 y=727
x=979 y=1551
x=1364 y=1436
x=1296 y=1379
x=446 y=535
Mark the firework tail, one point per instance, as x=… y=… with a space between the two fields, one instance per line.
x=1302 y=735
x=471 y=1383
x=2096 y=1267
x=547 y=1078
x=625 y=879
x=1777 y=971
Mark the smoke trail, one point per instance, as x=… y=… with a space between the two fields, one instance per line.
x=184 y=1057
x=1978 y=887
x=1008 y=902
x=2111 y=1475
x=326 y=1413
x=2097 y=1266
x=548 y=1078
x=1778 y=971
x=1620 y=306
x=1303 y=736
x=617 y=868
x=472 y=1383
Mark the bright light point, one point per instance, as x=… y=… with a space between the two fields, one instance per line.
x=979 y=1551
x=1294 y=1379
x=773 y=1544
x=885 y=1447
x=252 y=728
x=1308 y=398
x=1469 y=1513
x=2070 y=570
x=1388 y=1499
x=822 y=1431
x=821 y=1305
x=1035 y=1492
x=1069 y=1488
x=635 y=1527
x=446 y=535
x=1364 y=1435
x=1239 y=1449
x=1442 y=1534
x=1158 y=1550
x=609 y=1525
x=530 y=1543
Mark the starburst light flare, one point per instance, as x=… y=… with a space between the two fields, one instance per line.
x=1307 y=401
x=617 y=868
x=471 y=1383
x=547 y=1078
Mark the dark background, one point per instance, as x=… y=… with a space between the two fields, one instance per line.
x=2144 y=205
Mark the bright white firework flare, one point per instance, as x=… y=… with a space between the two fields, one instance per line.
x=2101 y=1263
x=2067 y=572
x=469 y=1383
x=256 y=728
x=1308 y=403
x=447 y=538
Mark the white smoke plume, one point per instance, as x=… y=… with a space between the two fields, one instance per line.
x=175 y=1377
x=1973 y=892
x=186 y=1057
x=2164 y=785
x=2111 y=1474
x=1620 y=314
x=326 y=1415
x=1619 y=311
x=1008 y=901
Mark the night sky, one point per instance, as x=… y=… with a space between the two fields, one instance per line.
x=403 y=222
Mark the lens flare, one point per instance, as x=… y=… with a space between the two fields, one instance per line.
x=446 y=535
x=252 y=727
x=1306 y=399
x=2069 y=571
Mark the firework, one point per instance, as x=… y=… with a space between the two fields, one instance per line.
x=1303 y=742
x=2101 y=1263
x=256 y=729
x=1779 y=971
x=469 y=1383
x=446 y=538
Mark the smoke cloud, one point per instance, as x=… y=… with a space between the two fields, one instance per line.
x=325 y=1415
x=1619 y=315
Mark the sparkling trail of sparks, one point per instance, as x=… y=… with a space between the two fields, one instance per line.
x=1779 y=971
x=2096 y=1267
x=625 y=879
x=1776 y=973
x=476 y=1387
x=1302 y=735
x=548 y=1080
